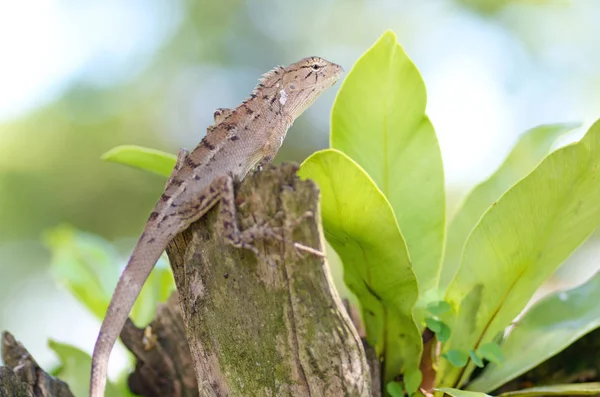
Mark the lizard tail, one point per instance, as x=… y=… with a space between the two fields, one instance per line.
x=145 y=255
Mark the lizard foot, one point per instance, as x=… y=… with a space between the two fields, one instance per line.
x=264 y=230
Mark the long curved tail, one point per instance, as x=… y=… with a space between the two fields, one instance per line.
x=145 y=255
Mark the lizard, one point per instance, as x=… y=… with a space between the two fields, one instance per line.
x=241 y=139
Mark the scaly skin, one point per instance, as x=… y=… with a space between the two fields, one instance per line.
x=241 y=138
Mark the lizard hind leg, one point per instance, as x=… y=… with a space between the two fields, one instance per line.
x=246 y=238
x=228 y=215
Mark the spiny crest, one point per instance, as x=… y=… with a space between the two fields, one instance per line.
x=267 y=77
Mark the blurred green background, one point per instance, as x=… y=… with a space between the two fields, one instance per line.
x=78 y=77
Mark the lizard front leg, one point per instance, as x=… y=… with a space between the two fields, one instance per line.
x=181 y=156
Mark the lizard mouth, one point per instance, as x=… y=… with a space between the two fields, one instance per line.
x=338 y=72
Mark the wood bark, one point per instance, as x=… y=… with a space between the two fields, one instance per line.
x=22 y=376
x=270 y=324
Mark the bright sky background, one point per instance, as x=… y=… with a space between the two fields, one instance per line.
x=45 y=44
x=485 y=85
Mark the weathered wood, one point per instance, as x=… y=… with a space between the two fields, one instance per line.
x=23 y=377
x=272 y=324
x=164 y=366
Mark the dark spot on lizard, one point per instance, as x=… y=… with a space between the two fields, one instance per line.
x=234 y=138
x=190 y=163
x=308 y=75
x=153 y=216
x=252 y=95
x=273 y=100
x=248 y=110
x=197 y=177
x=228 y=127
x=207 y=144
x=228 y=225
x=165 y=197
x=177 y=182
x=211 y=190
x=226 y=275
x=265 y=97
x=150 y=240
x=225 y=202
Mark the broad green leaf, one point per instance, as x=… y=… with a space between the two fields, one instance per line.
x=519 y=242
x=85 y=264
x=457 y=358
x=491 y=351
x=444 y=333
x=438 y=308
x=576 y=389
x=412 y=380
x=75 y=370
x=476 y=358
x=379 y=120
x=532 y=147
x=547 y=328
x=88 y=267
x=360 y=225
x=433 y=324
x=461 y=393
x=395 y=389
x=152 y=160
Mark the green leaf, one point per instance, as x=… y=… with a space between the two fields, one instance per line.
x=152 y=160
x=576 y=389
x=520 y=241
x=360 y=225
x=75 y=370
x=433 y=324
x=87 y=266
x=476 y=359
x=412 y=380
x=461 y=393
x=395 y=389
x=444 y=333
x=532 y=147
x=548 y=327
x=491 y=351
x=438 y=308
x=457 y=358
x=379 y=120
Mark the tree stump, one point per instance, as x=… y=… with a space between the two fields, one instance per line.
x=270 y=324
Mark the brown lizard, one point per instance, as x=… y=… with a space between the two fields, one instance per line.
x=240 y=139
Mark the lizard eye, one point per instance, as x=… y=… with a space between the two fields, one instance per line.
x=315 y=66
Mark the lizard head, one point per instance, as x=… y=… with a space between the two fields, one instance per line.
x=302 y=82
